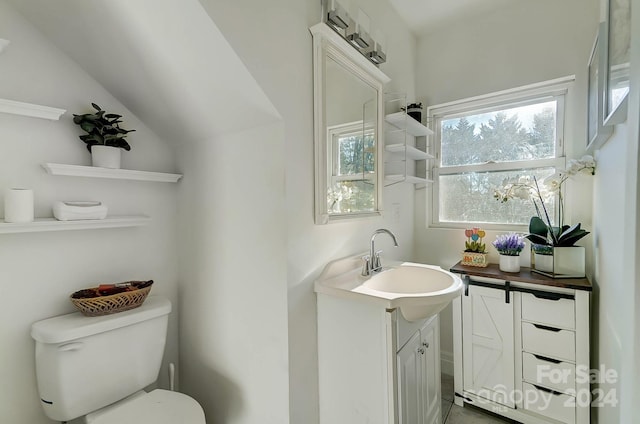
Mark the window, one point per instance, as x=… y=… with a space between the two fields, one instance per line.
x=353 y=152
x=482 y=141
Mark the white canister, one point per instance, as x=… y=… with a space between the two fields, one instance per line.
x=509 y=263
x=18 y=205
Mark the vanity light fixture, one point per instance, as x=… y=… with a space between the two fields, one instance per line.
x=376 y=54
x=356 y=32
x=337 y=16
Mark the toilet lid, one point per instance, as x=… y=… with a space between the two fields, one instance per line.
x=156 y=407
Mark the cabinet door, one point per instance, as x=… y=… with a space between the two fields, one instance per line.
x=409 y=384
x=430 y=343
x=488 y=344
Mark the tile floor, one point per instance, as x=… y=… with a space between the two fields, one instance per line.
x=454 y=414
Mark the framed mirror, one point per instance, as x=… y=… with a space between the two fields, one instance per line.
x=348 y=117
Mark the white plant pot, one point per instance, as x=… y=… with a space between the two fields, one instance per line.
x=106 y=156
x=543 y=262
x=565 y=262
x=509 y=263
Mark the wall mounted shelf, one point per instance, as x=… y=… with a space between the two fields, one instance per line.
x=29 y=109
x=403 y=121
x=51 y=224
x=412 y=152
x=118 y=174
x=396 y=178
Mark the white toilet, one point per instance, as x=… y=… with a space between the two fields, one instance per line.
x=96 y=368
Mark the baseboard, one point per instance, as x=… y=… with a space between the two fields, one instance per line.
x=446 y=362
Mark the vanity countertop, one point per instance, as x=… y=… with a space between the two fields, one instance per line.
x=524 y=276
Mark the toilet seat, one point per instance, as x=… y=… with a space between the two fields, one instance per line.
x=156 y=407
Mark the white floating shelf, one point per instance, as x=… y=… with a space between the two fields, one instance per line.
x=29 y=109
x=396 y=178
x=118 y=174
x=403 y=121
x=412 y=152
x=52 y=224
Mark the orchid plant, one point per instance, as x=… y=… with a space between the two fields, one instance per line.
x=474 y=240
x=542 y=232
x=509 y=244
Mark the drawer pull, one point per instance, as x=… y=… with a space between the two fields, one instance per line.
x=546 y=327
x=544 y=389
x=546 y=295
x=544 y=358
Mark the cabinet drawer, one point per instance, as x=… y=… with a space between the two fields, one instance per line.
x=547 y=341
x=557 y=406
x=554 y=312
x=557 y=375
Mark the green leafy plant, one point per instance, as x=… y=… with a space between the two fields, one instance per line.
x=542 y=232
x=102 y=129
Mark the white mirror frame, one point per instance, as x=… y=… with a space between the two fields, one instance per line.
x=327 y=43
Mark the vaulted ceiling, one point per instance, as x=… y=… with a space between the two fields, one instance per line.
x=165 y=60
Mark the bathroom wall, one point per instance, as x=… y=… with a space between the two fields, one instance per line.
x=523 y=43
x=233 y=321
x=38 y=271
x=616 y=324
x=273 y=40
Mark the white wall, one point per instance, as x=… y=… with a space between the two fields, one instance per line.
x=233 y=291
x=273 y=40
x=616 y=294
x=38 y=271
x=521 y=44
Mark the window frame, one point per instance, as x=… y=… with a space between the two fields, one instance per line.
x=557 y=90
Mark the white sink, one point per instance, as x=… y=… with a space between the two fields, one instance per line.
x=418 y=290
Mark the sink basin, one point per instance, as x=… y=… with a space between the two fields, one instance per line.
x=418 y=290
x=411 y=279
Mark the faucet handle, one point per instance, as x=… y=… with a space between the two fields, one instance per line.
x=366 y=265
x=376 y=263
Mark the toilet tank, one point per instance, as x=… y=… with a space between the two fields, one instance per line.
x=86 y=363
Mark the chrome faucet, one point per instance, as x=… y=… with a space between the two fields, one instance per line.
x=372 y=263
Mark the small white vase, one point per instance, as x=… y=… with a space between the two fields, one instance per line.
x=106 y=156
x=509 y=263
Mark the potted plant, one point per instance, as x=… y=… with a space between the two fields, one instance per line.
x=509 y=247
x=552 y=246
x=474 y=253
x=104 y=137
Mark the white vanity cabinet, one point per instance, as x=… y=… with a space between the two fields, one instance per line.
x=521 y=345
x=374 y=366
x=488 y=344
x=418 y=363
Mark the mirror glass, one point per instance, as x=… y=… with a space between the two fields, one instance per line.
x=347 y=122
x=350 y=107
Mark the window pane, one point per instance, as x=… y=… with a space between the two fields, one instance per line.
x=519 y=133
x=469 y=198
x=351 y=196
x=356 y=154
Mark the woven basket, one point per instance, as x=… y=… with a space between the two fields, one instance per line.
x=110 y=304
